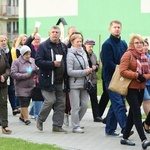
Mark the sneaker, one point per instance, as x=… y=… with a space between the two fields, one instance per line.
x=120 y=135
x=113 y=134
x=66 y=119
x=39 y=125
x=77 y=130
x=145 y=144
x=126 y=142
x=58 y=129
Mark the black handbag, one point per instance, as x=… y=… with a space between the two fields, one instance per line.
x=88 y=85
x=36 y=94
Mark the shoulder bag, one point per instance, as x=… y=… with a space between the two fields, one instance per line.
x=88 y=85
x=118 y=83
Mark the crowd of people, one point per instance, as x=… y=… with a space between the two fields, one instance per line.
x=61 y=71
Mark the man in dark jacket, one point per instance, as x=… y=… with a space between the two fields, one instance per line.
x=4 y=73
x=112 y=50
x=51 y=79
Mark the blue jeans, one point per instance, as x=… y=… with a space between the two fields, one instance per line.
x=12 y=97
x=116 y=113
x=35 y=108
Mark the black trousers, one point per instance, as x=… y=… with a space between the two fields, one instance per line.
x=134 y=99
x=147 y=120
x=103 y=100
x=94 y=102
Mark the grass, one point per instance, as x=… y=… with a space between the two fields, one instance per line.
x=18 y=144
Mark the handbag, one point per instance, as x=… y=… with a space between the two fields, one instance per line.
x=36 y=94
x=88 y=85
x=118 y=83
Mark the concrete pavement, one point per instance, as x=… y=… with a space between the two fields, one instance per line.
x=94 y=137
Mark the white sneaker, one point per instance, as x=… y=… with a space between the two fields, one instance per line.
x=66 y=119
x=77 y=130
x=120 y=135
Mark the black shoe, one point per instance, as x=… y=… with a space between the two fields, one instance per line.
x=145 y=144
x=21 y=119
x=27 y=122
x=15 y=112
x=146 y=130
x=39 y=125
x=104 y=120
x=126 y=142
x=98 y=119
x=131 y=132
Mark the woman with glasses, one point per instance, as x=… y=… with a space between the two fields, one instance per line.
x=134 y=65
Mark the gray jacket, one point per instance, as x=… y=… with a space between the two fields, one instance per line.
x=93 y=76
x=75 y=72
x=23 y=85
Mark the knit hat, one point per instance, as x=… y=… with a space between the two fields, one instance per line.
x=24 y=49
x=89 y=42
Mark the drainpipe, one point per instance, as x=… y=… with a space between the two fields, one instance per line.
x=25 y=17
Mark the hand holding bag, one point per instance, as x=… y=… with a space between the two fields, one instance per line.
x=118 y=83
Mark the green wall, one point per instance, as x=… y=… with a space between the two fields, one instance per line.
x=94 y=17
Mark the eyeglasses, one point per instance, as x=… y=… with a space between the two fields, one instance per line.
x=37 y=39
x=137 y=43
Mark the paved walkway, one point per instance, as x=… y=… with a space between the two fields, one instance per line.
x=94 y=137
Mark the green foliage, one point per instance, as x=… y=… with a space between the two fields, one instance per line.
x=18 y=144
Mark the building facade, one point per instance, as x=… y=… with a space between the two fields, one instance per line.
x=9 y=18
x=91 y=18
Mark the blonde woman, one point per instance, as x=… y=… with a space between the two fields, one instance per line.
x=20 y=42
x=138 y=71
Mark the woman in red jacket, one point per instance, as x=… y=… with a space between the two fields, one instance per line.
x=134 y=65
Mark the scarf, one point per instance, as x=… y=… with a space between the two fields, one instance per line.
x=142 y=60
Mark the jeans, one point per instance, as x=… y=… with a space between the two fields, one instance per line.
x=35 y=108
x=12 y=97
x=116 y=113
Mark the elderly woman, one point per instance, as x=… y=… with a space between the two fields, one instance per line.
x=22 y=71
x=138 y=71
x=77 y=69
